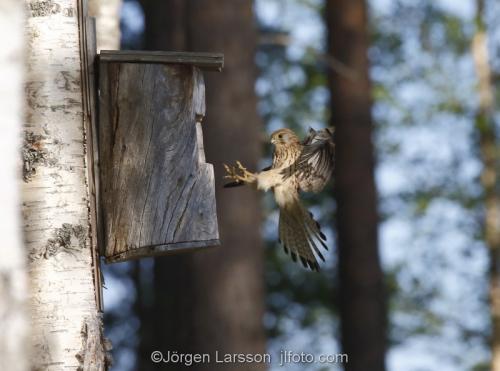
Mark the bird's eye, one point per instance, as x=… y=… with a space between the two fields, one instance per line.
x=280 y=136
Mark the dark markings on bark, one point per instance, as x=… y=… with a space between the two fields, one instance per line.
x=68 y=238
x=34 y=154
x=68 y=12
x=44 y=8
x=48 y=7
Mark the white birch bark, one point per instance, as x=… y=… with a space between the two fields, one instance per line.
x=107 y=14
x=14 y=317
x=66 y=326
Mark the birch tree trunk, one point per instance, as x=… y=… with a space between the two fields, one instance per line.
x=14 y=318
x=490 y=156
x=107 y=14
x=66 y=325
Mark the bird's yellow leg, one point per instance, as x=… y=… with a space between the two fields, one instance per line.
x=239 y=173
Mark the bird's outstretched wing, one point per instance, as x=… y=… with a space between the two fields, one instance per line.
x=315 y=164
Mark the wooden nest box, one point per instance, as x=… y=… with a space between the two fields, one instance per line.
x=156 y=194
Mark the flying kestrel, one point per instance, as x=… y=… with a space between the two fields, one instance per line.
x=297 y=166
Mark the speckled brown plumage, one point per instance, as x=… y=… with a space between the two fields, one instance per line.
x=297 y=166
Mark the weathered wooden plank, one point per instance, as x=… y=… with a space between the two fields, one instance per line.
x=208 y=61
x=166 y=249
x=157 y=195
x=89 y=52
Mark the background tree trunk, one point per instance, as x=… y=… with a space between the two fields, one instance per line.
x=490 y=156
x=107 y=14
x=14 y=323
x=66 y=325
x=213 y=301
x=361 y=294
x=167 y=24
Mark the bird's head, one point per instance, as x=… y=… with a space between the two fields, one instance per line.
x=284 y=137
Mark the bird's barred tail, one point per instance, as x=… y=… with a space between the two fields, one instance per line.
x=300 y=235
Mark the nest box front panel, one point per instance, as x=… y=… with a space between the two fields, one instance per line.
x=157 y=194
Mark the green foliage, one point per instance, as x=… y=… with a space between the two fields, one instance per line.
x=428 y=175
x=425 y=93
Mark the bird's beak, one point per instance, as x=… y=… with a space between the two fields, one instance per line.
x=273 y=141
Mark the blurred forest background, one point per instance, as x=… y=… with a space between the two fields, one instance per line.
x=415 y=78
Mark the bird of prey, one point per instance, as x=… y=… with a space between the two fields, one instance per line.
x=297 y=166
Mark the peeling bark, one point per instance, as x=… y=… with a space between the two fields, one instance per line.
x=48 y=8
x=95 y=353
x=55 y=193
x=68 y=238
x=14 y=315
x=33 y=154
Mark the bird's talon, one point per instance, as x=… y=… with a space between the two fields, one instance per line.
x=241 y=167
x=237 y=173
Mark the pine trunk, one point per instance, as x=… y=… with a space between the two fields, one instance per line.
x=490 y=156
x=66 y=325
x=213 y=301
x=361 y=298
x=14 y=323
